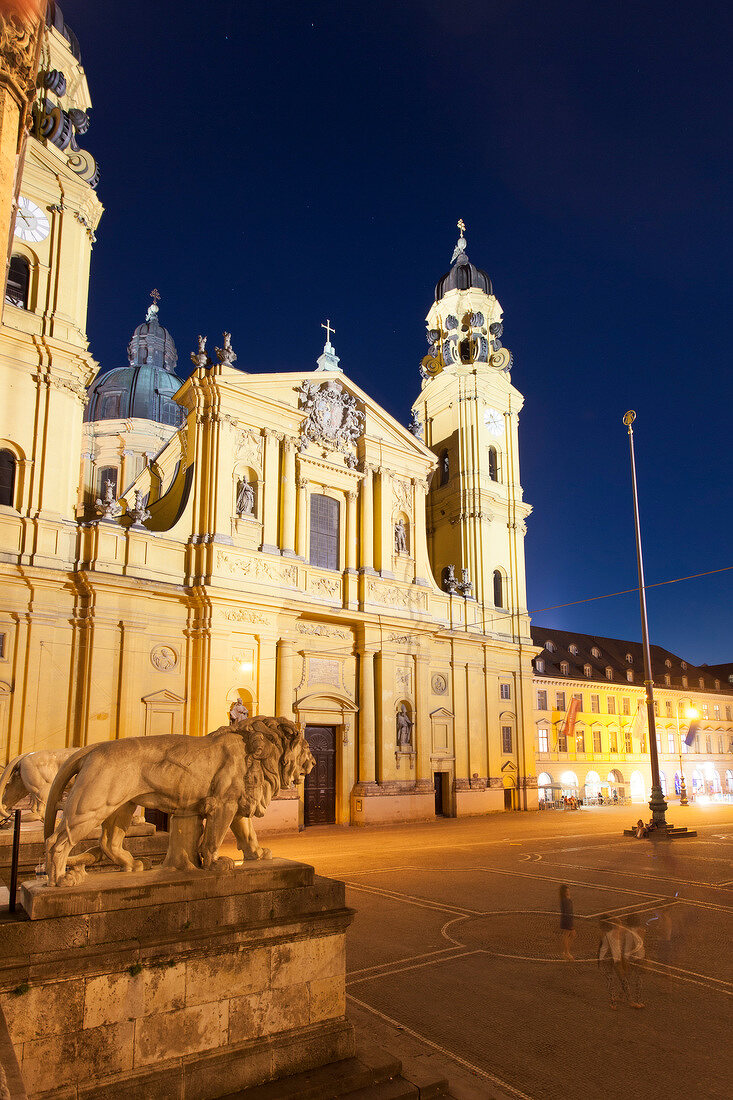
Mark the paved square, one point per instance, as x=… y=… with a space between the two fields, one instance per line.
x=456 y=942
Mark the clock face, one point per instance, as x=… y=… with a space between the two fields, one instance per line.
x=31 y=224
x=494 y=422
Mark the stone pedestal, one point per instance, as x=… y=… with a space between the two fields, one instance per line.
x=171 y=984
x=142 y=840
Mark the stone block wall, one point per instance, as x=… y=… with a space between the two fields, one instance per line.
x=177 y=996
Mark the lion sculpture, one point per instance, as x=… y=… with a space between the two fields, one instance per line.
x=226 y=778
x=30 y=775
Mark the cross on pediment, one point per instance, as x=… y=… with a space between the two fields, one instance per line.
x=328 y=329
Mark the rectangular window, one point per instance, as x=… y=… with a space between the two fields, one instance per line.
x=506 y=739
x=658 y=739
x=626 y=706
x=541 y=700
x=668 y=708
x=505 y=691
x=579 y=741
x=720 y=744
x=705 y=710
x=560 y=700
x=324 y=542
x=628 y=747
x=611 y=702
x=595 y=704
x=670 y=743
x=596 y=740
x=2 y=647
x=708 y=744
x=562 y=742
x=613 y=742
x=542 y=738
x=728 y=714
x=697 y=742
x=716 y=712
x=656 y=708
x=579 y=696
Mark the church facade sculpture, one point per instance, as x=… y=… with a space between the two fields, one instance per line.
x=404 y=729
x=225 y=779
x=245 y=498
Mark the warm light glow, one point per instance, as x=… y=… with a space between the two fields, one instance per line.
x=245 y=667
x=691 y=712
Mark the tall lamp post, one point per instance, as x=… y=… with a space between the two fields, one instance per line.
x=657 y=804
x=689 y=713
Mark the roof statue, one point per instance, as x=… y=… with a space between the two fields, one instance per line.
x=461 y=244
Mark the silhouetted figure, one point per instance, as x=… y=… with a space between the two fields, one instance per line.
x=567 y=921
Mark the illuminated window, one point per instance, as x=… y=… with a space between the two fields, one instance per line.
x=708 y=744
x=668 y=708
x=611 y=704
x=671 y=744
x=716 y=712
x=630 y=675
x=579 y=741
x=596 y=740
x=656 y=707
x=705 y=710
x=728 y=714
x=560 y=700
x=628 y=747
x=613 y=741
x=562 y=740
x=626 y=706
x=595 y=704
x=542 y=739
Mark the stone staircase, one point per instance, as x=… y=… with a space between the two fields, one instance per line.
x=374 y=1074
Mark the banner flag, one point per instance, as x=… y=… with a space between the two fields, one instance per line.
x=637 y=726
x=568 y=726
x=691 y=733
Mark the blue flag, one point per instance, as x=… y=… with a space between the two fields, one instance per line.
x=691 y=733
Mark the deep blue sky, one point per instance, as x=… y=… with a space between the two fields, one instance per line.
x=269 y=163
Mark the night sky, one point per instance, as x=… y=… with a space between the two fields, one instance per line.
x=270 y=163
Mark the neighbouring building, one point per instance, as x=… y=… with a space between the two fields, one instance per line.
x=277 y=541
x=607 y=749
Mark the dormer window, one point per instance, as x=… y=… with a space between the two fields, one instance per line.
x=565 y=668
x=550 y=647
x=684 y=681
x=630 y=675
x=588 y=670
x=701 y=682
x=539 y=664
x=668 y=663
x=717 y=685
x=629 y=659
x=667 y=680
x=609 y=672
x=573 y=649
x=595 y=652
x=684 y=666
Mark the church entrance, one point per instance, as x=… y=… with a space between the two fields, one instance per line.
x=438 y=783
x=320 y=783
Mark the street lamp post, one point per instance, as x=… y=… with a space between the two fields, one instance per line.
x=657 y=804
x=689 y=713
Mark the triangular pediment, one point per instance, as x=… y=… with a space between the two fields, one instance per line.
x=162 y=697
x=441 y=712
x=508 y=767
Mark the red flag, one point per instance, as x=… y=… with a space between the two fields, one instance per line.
x=569 y=724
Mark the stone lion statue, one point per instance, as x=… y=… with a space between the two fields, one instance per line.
x=30 y=775
x=226 y=778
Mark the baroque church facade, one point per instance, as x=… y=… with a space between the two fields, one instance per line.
x=175 y=551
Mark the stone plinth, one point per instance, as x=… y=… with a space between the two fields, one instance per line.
x=391 y=802
x=176 y=984
x=142 y=840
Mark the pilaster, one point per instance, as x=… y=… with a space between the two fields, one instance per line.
x=367 y=521
x=287 y=533
x=366 y=716
x=302 y=518
x=285 y=678
x=270 y=504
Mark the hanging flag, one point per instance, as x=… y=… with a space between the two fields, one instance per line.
x=691 y=733
x=568 y=728
x=637 y=726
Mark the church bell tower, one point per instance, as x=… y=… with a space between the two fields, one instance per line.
x=468 y=413
x=45 y=365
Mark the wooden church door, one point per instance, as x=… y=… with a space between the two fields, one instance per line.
x=320 y=783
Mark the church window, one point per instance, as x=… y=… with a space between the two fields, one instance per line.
x=7 y=478
x=444 y=468
x=506 y=739
x=19 y=278
x=110 y=407
x=324 y=542
x=498 y=589
x=493 y=464
x=108 y=473
x=505 y=691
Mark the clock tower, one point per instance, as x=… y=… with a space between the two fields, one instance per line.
x=45 y=365
x=468 y=412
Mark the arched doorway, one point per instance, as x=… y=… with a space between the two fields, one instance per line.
x=569 y=784
x=509 y=793
x=698 y=782
x=592 y=785
x=616 y=786
x=544 y=786
x=638 y=787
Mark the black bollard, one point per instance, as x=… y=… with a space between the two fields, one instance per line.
x=14 y=863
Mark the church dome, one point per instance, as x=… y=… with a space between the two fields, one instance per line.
x=463 y=273
x=145 y=389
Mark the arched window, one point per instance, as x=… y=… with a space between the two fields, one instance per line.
x=7 y=478
x=595 y=652
x=108 y=473
x=498 y=589
x=324 y=541
x=444 y=468
x=19 y=279
x=573 y=649
x=493 y=464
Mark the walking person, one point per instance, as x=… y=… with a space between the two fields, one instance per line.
x=567 y=922
x=633 y=955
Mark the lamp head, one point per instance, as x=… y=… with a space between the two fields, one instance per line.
x=629 y=418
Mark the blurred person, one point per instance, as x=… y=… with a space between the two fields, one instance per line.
x=567 y=922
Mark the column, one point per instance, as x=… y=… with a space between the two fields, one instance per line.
x=285 y=678
x=367 y=521
x=302 y=513
x=422 y=733
x=351 y=533
x=287 y=534
x=270 y=503
x=366 y=716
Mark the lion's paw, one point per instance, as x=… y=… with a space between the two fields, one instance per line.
x=74 y=877
x=223 y=863
x=138 y=865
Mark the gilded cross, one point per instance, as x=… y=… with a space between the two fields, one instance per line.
x=328 y=329
x=155 y=296
x=461 y=225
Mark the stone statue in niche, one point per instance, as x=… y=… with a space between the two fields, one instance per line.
x=400 y=537
x=238 y=712
x=245 y=498
x=404 y=729
x=212 y=783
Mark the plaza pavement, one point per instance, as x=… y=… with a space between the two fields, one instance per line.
x=454 y=952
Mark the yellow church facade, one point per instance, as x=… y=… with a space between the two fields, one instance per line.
x=172 y=551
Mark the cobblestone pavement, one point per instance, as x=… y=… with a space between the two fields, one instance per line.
x=456 y=943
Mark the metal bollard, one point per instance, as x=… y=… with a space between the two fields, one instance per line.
x=14 y=863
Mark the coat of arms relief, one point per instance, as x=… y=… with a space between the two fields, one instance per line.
x=333 y=422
